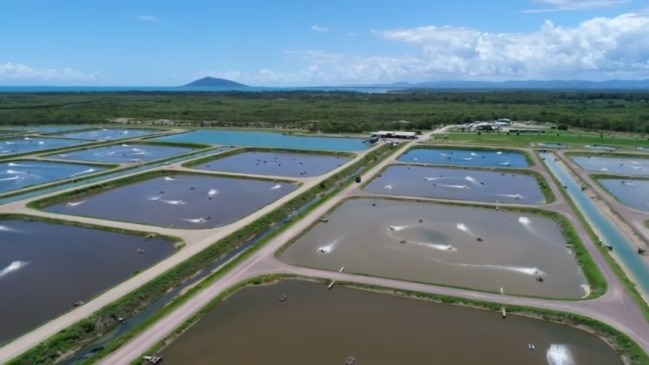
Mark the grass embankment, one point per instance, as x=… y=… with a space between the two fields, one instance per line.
x=574 y=139
x=432 y=146
x=178 y=242
x=621 y=274
x=592 y=273
x=238 y=151
x=102 y=187
x=86 y=331
x=624 y=345
x=542 y=183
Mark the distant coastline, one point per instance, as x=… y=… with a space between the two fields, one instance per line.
x=183 y=89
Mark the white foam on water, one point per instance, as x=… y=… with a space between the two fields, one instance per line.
x=444 y=154
x=139 y=153
x=627 y=183
x=10 y=178
x=169 y=178
x=586 y=288
x=27 y=139
x=14 y=266
x=603 y=169
x=330 y=246
x=154 y=198
x=196 y=220
x=432 y=178
x=41 y=142
x=124 y=145
x=467 y=158
x=63 y=155
x=636 y=167
x=212 y=192
x=514 y=196
x=74 y=204
x=172 y=202
x=278 y=186
x=10 y=171
x=474 y=154
x=437 y=246
x=83 y=172
x=471 y=180
x=462 y=227
x=505 y=163
x=499 y=153
x=398 y=228
x=559 y=355
x=388 y=187
x=7 y=229
x=415 y=159
x=453 y=186
x=519 y=269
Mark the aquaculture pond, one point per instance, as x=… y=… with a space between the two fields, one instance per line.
x=614 y=165
x=457 y=184
x=122 y=153
x=107 y=134
x=45 y=268
x=482 y=158
x=34 y=144
x=276 y=163
x=317 y=326
x=22 y=173
x=268 y=139
x=634 y=193
x=470 y=247
x=183 y=201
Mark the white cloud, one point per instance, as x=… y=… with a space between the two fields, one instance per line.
x=317 y=28
x=597 y=49
x=148 y=18
x=20 y=72
x=568 y=5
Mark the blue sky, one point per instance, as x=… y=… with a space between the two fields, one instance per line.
x=319 y=42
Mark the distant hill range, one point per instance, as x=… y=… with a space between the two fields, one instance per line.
x=529 y=84
x=214 y=82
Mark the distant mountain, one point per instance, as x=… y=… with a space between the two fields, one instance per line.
x=214 y=82
x=528 y=84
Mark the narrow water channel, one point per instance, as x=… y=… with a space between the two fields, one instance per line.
x=625 y=250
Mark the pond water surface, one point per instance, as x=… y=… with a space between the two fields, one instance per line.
x=107 y=134
x=122 y=153
x=34 y=144
x=457 y=184
x=468 y=157
x=634 y=193
x=268 y=139
x=614 y=165
x=45 y=268
x=452 y=245
x=276 y=164
x=18 y=174
x=184 y=201
x=317 y=326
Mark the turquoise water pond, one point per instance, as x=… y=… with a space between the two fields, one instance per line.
x=465 y=157
x=268 y=139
